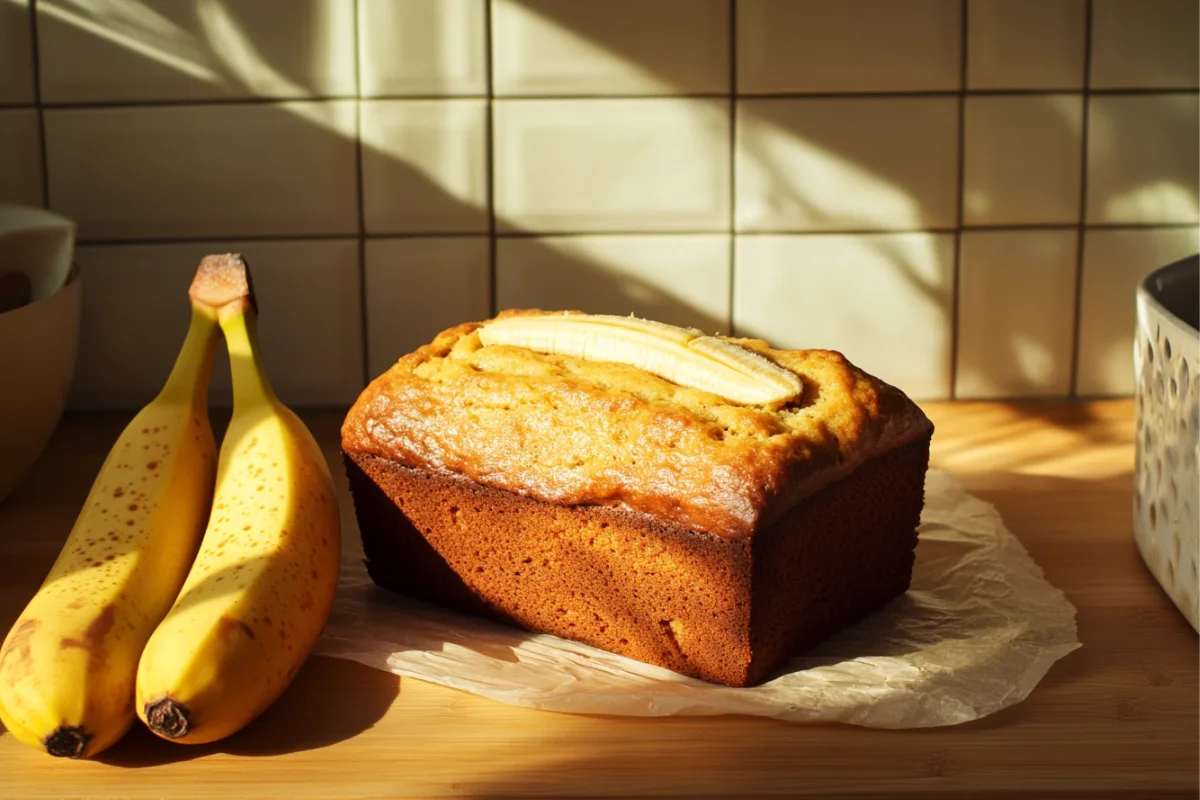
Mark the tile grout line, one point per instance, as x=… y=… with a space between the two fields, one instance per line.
x=207 y=239
x=490 y=153
x=1077 y=321
x=956 y=272
x=85 y=105
x=364 y=323
x=37 y=99
x=300 y=237
x=731 y=286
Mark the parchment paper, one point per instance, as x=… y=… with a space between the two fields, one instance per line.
x=975 y=633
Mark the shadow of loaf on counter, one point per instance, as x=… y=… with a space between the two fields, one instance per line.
x=602 y=503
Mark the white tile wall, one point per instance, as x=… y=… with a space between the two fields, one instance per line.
x=182 y=49
x=20 y=157
x=883 y=300
x=1026 y=44
x=1022 y=159
x=598 y=47
x=418 y=287
x=186 y=171
x=424 y=166
x=848 y=46
x=1145 y=44
x=1016 y=313
x=682 y=280
x=814 y=172
x=1114 y=261
x=135 y=315
x=1143 y=159
x=422 y=47
x=16 y=53
x=847 y=164
x=611 y=165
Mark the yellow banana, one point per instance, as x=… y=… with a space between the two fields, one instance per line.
x=263 y=582
x=68 y=665
x=682 y=355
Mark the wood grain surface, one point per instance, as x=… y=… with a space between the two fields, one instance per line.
x=1118 y=718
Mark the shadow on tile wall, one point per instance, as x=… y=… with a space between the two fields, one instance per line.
x=206 y=49
x=310 y=289
x=176 y=55
x=1132 y=183
x=872 y=164
x=832 y=165
x=693 y=59
x=883 y=170
x=872 y=182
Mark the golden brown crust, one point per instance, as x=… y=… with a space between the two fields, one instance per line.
x=574 y=432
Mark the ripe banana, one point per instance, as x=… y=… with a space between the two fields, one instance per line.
x=683 y=355
x=68 y=665
x=263 y=582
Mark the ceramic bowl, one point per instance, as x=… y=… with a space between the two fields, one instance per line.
x=1167 y=364
x=38 y=344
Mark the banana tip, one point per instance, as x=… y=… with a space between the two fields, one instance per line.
x=68 y=741
x=168 y=718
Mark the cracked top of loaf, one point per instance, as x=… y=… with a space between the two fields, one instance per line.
x=565 y=430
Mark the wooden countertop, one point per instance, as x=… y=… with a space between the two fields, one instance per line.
x=1117 y=718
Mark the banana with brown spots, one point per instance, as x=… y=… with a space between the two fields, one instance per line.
x=263 y=582
x=67 y=667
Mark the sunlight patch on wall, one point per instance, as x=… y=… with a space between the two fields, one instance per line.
x=114 y=51
x=785 y=176
x=683 y=280
x=830 y=164
x=535 y=54
x=884 y=300
x=422 y=47
x=136 y=27
x=787 y=180
x=1033 y=358
x=444 y=142
x=239 y=55
x=1143 y=160
x=977 y=201
x=241 y=58
x=1155 y=200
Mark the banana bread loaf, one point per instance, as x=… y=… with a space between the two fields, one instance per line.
x=601 y=502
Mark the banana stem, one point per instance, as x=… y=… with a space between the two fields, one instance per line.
x=250 y=384
x=193 y=366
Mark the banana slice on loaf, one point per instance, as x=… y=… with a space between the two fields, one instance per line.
x=683 y=355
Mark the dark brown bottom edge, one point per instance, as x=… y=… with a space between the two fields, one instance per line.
x=723 y=611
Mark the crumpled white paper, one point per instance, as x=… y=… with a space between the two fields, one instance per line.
x=976 y=632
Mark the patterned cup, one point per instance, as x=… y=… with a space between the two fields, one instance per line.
x=1167 y=363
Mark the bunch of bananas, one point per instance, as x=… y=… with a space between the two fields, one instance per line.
x=192 y=586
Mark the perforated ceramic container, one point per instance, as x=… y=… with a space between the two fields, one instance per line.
x=1167 y=363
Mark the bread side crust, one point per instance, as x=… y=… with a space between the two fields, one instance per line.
x=614 y=579
x=701 y=605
